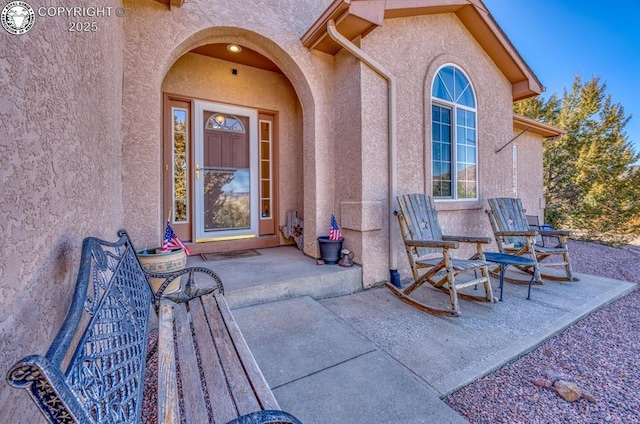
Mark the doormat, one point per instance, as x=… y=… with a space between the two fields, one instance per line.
x=235 y=254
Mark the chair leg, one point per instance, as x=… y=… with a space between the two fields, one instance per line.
x=453 y=291
x=487 y=284
x=570 y=277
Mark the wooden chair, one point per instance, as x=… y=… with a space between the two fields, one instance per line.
x=514 y=236
x=546 y=241
x=422 y=238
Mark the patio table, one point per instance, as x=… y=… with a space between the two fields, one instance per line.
x=504 y=260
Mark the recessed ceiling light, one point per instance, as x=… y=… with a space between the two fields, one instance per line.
x=234 y=48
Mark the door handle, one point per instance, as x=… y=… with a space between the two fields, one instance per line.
x=198 y=172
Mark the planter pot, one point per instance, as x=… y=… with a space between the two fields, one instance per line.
x=329 y=250
x=155 y=260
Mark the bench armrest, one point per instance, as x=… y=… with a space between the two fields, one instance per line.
x=190 y=289
x=268 y=416
x=48 y=388
x=442 y=244
x=467 y=239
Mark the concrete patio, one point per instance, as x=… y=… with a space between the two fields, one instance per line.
x=334 y=354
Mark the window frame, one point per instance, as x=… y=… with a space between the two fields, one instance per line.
x=453 y=107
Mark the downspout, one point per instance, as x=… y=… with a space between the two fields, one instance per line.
x=391 y=82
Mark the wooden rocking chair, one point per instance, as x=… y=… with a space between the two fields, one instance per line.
x=422 y=236
x=514 y=236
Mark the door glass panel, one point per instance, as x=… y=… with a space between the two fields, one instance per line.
x=223 y=122
x=441 y=160
x=180 y=165
x=227 y=200
x=265 y=169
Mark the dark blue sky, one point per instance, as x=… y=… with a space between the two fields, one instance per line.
x=562 y=38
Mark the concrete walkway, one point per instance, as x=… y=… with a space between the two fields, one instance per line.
x=370 y=358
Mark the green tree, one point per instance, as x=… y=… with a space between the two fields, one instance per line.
x=590 y=183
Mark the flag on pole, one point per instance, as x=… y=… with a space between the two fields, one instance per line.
x=335 y=233
x=172 y=241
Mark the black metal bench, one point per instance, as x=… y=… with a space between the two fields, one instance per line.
x=94 y=370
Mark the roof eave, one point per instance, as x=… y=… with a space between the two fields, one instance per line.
x=172 y=3
x=352 y=20
x=358 y=18
x=537 y=127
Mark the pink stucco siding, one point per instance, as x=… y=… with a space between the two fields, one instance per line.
x=61 y=177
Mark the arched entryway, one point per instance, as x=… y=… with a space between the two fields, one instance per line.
x=233 y=126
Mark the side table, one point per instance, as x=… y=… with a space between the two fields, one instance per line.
x=504 y=260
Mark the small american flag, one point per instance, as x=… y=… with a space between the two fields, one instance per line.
x=172 y=241
x=335 y=233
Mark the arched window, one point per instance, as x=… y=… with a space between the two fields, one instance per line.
x=453 y=136
x=222 y=122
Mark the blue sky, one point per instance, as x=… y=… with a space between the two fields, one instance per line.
x=562 y=38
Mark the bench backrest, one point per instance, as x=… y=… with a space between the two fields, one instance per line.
x=94 y=370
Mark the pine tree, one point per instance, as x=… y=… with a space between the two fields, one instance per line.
x=590 y=183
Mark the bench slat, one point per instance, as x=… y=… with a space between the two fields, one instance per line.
x=195 y=409
x=259 y=383
x=222 y=403
x=241 y=389
x=168 y=409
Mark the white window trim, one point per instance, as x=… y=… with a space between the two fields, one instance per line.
x=454 y=128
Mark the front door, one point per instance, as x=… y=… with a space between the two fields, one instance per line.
x=226 y=172
x=220 y=180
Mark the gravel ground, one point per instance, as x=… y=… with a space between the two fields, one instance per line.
x=600 y=354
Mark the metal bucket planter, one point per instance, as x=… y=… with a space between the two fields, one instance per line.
x=330 y=250
x=155 y=260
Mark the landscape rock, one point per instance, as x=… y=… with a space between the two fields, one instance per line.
x=588 y=397
x=542 y=382
x=568 y=391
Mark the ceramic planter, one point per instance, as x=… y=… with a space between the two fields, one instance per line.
x=155 y=260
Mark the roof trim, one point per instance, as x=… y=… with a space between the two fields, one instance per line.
x=172 y=3
x=355 y=18
x=537 y=127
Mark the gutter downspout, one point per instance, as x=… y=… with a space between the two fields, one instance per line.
x=391 y=82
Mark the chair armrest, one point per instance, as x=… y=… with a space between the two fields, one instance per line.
x=516 y=233
x=554 y=233
x=467 y=239
x=442 y=244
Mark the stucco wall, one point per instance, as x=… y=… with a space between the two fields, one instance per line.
x=60 y=172
x=413 y=49
x=157 y=37
x=211 y=79
x=529 y=172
